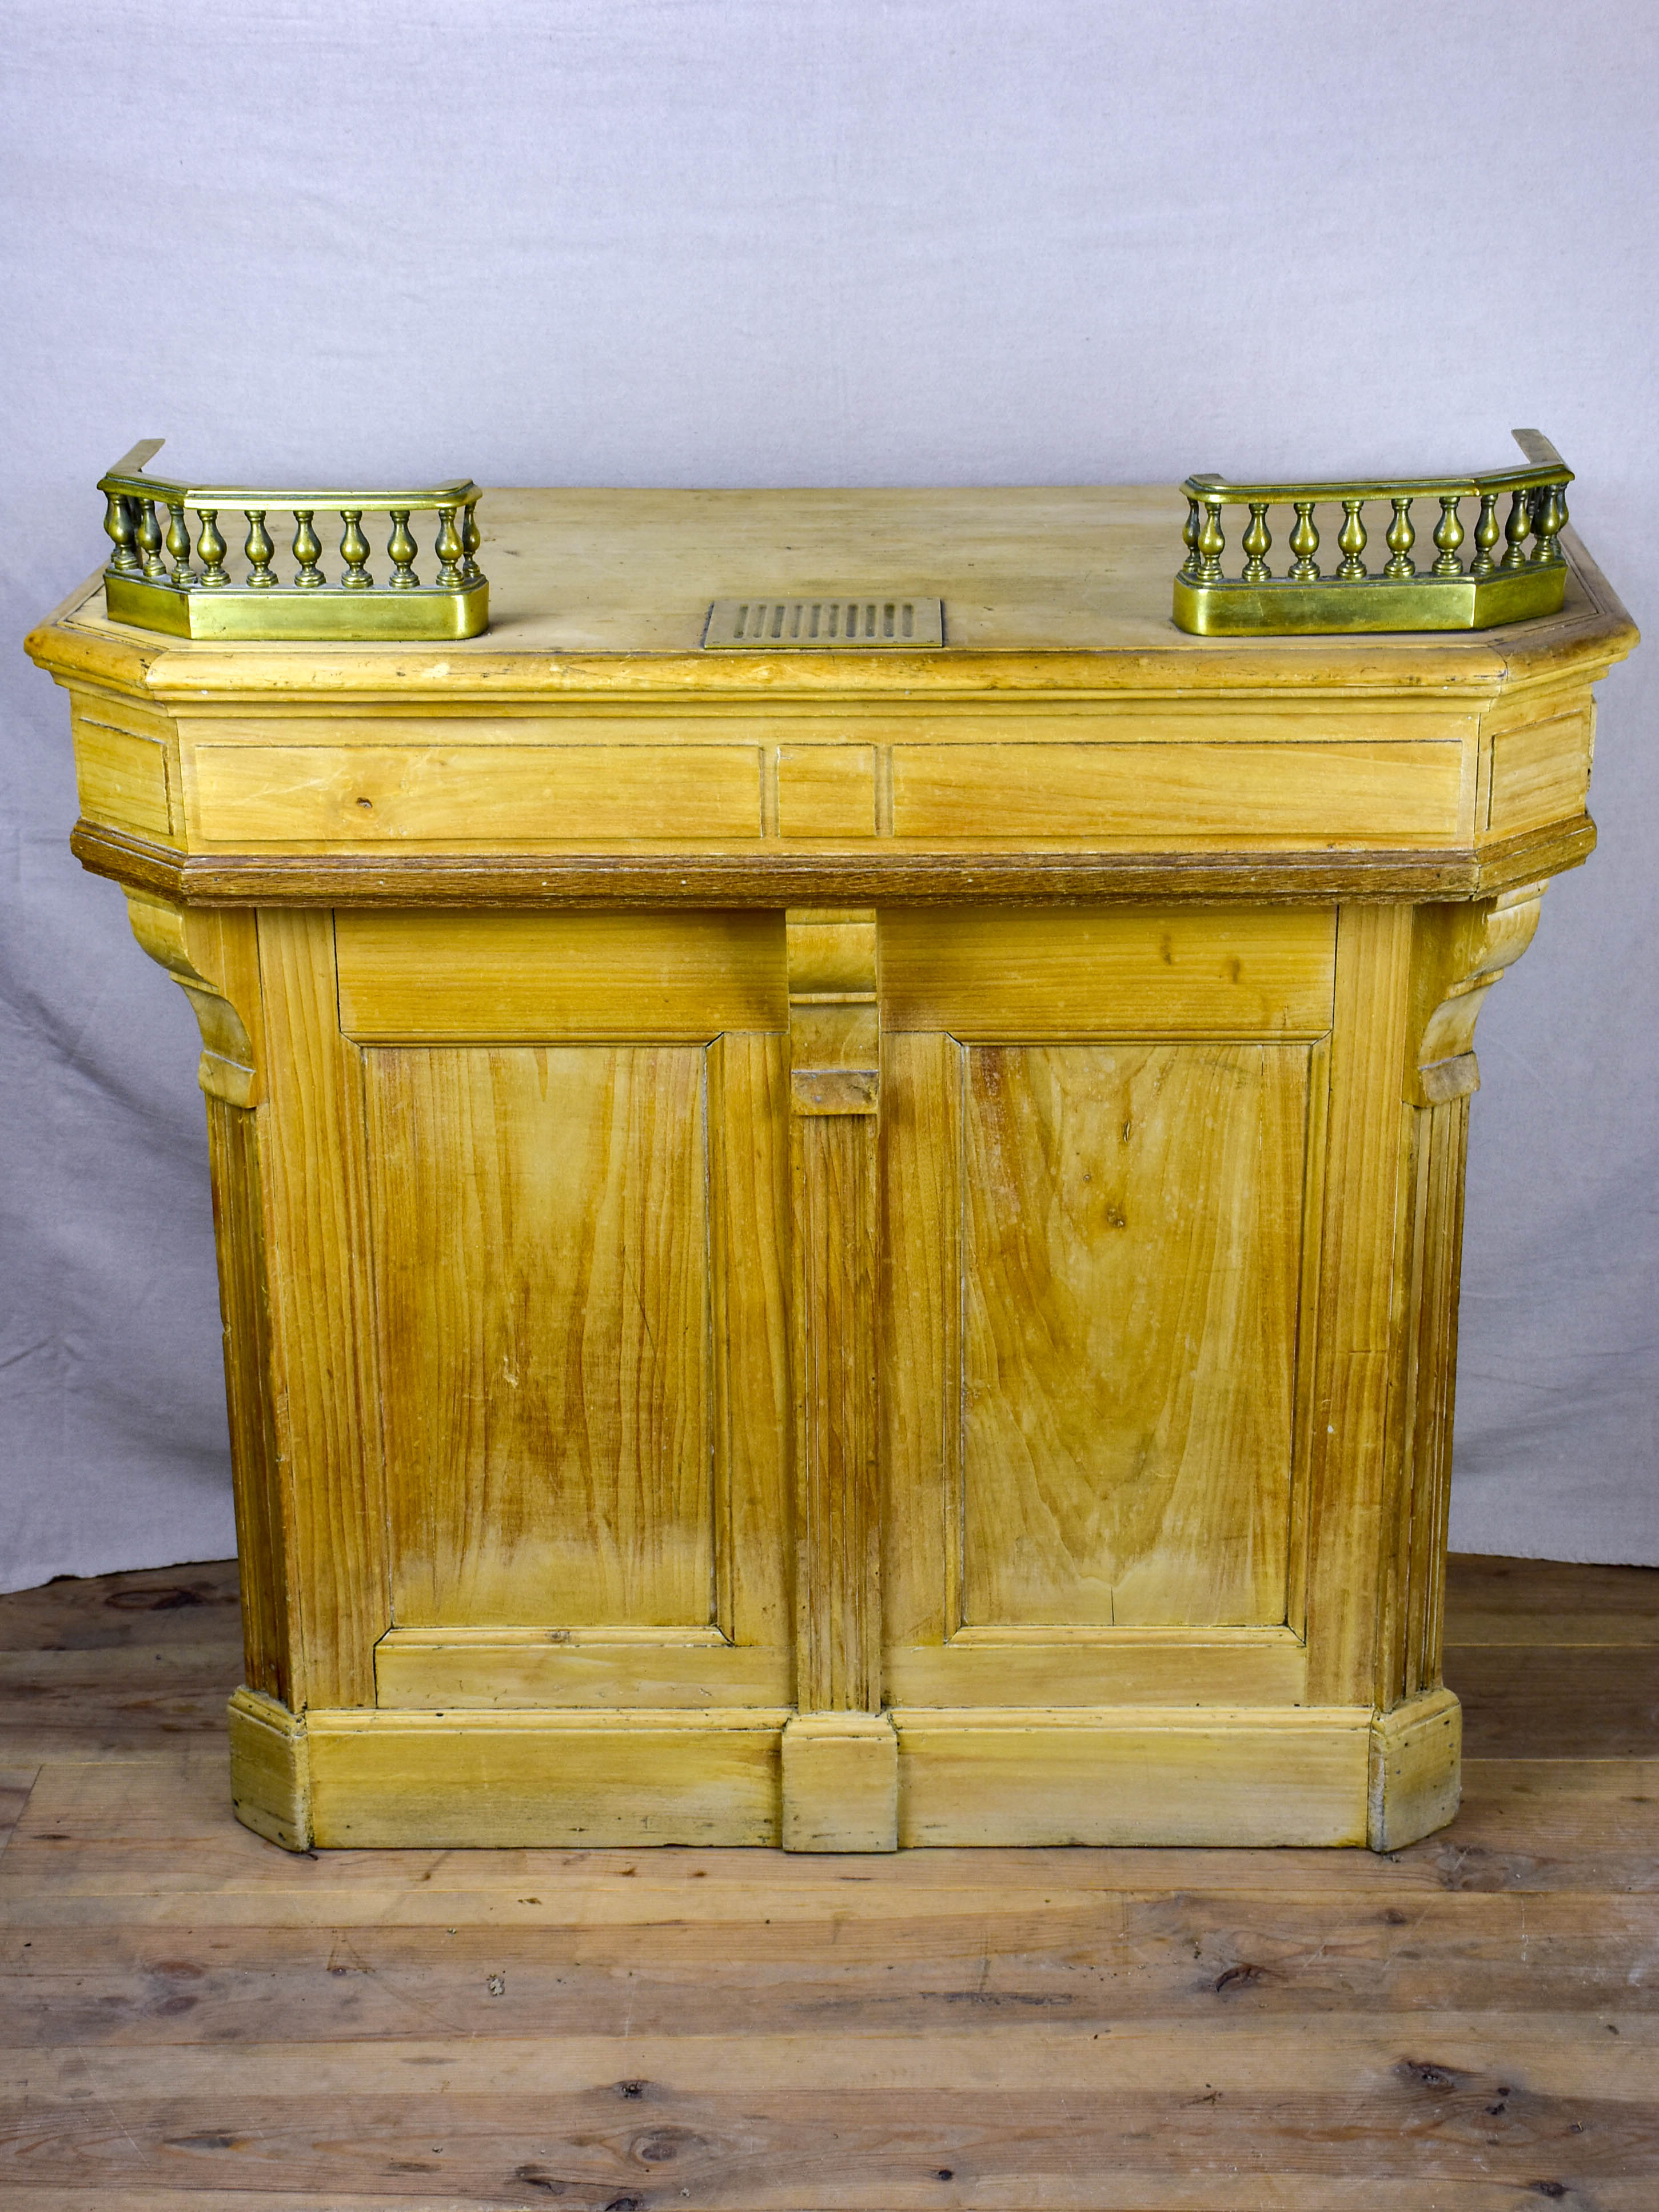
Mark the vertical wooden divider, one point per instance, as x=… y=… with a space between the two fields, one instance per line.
x=840 y=1751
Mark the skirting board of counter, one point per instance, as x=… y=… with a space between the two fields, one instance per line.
x=1190 y=1775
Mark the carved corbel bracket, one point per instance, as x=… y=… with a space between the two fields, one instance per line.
x=211 y=957
x=1461 y=951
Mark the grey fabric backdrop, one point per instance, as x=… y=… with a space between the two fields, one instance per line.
x=886 y=241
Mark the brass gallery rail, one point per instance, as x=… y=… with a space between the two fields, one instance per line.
x=255 y=602
x=1513 y=586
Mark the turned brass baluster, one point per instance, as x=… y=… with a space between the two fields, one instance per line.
x=354 y=551
x=1211 y=542
x=1400 y=538
x=471 y=538
x=150 y=542
x=307 y=547
x=1448 y=537
x=1549 y=519
x=122 y=528
x=1516 y=529
x=1353 y=539
x=259 y=549
x=1486 y=534
x=211 y=548
x=1256 y=540
x=1194 y=561
x=448 y=549
x=178 y=545
x=1304 y=543
x=401 y=547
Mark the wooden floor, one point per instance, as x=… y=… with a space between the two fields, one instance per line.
x=197 y=2021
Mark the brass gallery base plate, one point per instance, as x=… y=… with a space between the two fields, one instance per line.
x=332 y=613
x=1233 y=608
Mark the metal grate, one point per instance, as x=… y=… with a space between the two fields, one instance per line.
x=848 y=622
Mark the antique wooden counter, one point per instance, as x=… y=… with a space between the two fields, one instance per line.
x=839 y=1247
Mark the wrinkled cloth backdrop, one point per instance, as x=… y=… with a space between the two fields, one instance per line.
x=893 y=242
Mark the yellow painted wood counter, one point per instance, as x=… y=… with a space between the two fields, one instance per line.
x=839 y=1248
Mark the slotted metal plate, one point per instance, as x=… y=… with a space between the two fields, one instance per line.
x=847 y=622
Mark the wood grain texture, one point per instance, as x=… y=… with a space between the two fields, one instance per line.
x=363 y=795
x=1417 y=1751
x=271 y=1617
x=541 y=1241
x=1356 y=1342
x=1130 y=1263
x=563 y=1779
x=839 y=1783
x=1002 y=974
x=826 y=791
x=749 y=1164
x=271 y=1771
x=122 y=761
x=1173 y=796
x=1124 y=1775
x=1047 y=1666
x=552 y=979
x=327 y=1389
x=834 y=1239
x=1412 y=1603
x=1541 y=772
x=452 y=1669
x=838 y=1529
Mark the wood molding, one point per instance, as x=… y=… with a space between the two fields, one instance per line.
x=1416 y=1771
x=570 y=1780
x=270 y=1770
x=1355 y=1331
x=776 y=879
x=214 y=959
x=314 y=1161
x=835 y=1096
x=839 y=1783
x=1412 y=1599
x=1132 y=1775
x=272 y=1603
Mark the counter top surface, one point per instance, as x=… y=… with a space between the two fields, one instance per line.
x=1045 y=589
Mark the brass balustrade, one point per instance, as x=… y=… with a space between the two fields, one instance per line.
x=1511 y=585
x=150 y=580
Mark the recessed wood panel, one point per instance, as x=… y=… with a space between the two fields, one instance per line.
x=1386 y=793
x=1027 y=973
x=435 y=794
x=827 y=791
x=122 y=775
x=1539 y=773
x=541 y=1247
x=559 y=977
x=1131 y=1255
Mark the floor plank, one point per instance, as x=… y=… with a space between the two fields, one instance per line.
x=15 y=1784
x=1583 y=1703
x=194 y=1604
x=1504 y=1601
x=950 y=1963
x=198 y=2022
